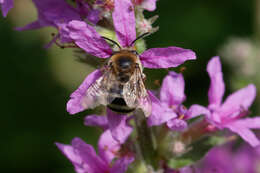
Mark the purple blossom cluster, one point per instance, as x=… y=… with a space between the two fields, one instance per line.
x=78 y=25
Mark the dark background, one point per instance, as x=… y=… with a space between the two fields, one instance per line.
x=33 y=98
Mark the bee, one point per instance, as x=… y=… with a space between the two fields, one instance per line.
x=121 y=86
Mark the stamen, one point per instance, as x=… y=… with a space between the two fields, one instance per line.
x=181 y=117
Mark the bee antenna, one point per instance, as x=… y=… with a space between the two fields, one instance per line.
x=112 y=41
x=139 y=37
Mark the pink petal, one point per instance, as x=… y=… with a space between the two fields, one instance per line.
x=252 y=123
x=6 y=5
x=87 y=38
x=177 y=124
x=121 y=165
x=108 y=147
x=118 y=126
x=160 y=112
x=96 y=120
x=124 y=22
x=240 y=100
x=172 y=90
x=196 y=110
x=34 y=25
x=217 y=85
x=89 y=156
x=74 y=157
x=52 y=13
x=78 y=100
x=166 y=57
x=243 y=132
x=215 y=119
x=149 y=5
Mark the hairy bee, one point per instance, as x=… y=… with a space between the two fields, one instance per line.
x=121 y=85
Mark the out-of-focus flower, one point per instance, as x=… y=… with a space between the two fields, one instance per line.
x=117 y=124
x=229 y=114
x=84 y=158
x=149 y=5
x=58 y=13
x=223 y=159
x=218 y=160
x=6 y=5
x=241 y=53
x=86 y=37
x=169 y=109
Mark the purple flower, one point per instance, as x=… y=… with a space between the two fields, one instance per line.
x=52 y=13
x=117 y=124
x=218 y=160
x=87 y=38
x=229 y=114
x=6 y=5
x=57 y=13
x=169 y=108
x=224 y=159
x=84 y=158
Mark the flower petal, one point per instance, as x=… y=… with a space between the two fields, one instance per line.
x=160 y=112
x=177 y=124
x=6 y=5
x=96 y=120
x=34 y=25
x=240 y=100
x=89 y=156
x=74 y=157
x=122 y=164
x=244 y=132
x=108 y=146
x=166 y=57
x=196 y=110
x=52 y=13
x=118 y=126
x=149 y=5
x=87 y=38
x=92 y=15
x=217 y=85
x=252 y=123
x=75 y=104
x=172 y=90
x=124 y=22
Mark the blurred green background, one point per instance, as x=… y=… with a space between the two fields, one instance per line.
x=36 y=83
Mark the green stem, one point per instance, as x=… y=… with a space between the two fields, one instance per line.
x=146 y=140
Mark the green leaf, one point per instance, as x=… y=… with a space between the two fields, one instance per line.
x=179 y=163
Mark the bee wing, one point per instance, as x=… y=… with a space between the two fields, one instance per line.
x=99 y=92
x=135 y=94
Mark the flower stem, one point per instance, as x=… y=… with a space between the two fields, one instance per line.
x=146 y=140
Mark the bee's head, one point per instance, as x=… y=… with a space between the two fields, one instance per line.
x=124 y=60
